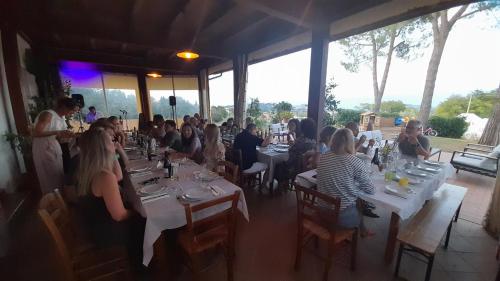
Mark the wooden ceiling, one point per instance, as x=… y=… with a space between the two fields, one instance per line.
x=148 y=33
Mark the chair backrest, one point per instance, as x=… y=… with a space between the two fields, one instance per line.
x=225 y=219
x=309 y=207
x=237 y=157
x=50 y=222
x=55 y=206
x=309 y=160
x=231 y=171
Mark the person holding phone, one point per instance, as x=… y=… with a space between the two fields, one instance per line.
x=50 y=128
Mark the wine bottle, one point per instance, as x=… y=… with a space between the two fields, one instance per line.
x=375 y=159
x=167 y=165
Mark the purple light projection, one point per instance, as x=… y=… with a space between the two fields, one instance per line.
x=79 y=72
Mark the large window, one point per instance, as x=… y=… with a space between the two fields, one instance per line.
x=110 y=93
x=221 y=96
x=185 y=90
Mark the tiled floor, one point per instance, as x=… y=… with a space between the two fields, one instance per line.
x=266 y=246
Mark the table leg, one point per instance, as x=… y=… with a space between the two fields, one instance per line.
x=391 y=237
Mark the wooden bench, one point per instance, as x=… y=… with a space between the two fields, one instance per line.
x=424 y=232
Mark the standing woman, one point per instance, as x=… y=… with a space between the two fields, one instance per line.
x=214 y=149
x=50 y=125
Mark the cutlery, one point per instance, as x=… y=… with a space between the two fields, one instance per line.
x=146 y=199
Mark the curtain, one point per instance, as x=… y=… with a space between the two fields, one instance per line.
x=240 y=75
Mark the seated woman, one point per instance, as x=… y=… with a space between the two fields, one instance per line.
x=109 y=223
x=293 y=130
x=341 y=174
x=119 y=134
x=304 y=143
x=191 y=145
x=324 y=139
x=214 y=149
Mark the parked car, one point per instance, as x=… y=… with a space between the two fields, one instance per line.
x=398 y=121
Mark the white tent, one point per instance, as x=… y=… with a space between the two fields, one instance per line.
x=476 y=125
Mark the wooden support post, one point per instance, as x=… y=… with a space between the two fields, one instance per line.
x=143 y=92
x=204 y=91
x=317 y=74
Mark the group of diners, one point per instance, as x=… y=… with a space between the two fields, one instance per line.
x=340 y=173
x=99 y=159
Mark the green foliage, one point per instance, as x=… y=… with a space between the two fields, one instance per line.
x=282 y=111
x=482 y=104
x=219 y=113
x=331 y=103
x=365 y=107
x=393 y=107
x=20 y=142
x=453 y=127
x=359 y=48
x=345 y=116
x=389 y=114
x=282 y=106
x=254 y=108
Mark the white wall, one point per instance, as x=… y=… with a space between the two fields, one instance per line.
x=10 y=168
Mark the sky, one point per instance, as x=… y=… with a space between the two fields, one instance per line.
x=471 y=61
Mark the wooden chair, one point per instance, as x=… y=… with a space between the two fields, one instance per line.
x=315 y=221
x=248 y=178
x=115 y=269
x=79 y=261
x=231 y=171
x=211 y=232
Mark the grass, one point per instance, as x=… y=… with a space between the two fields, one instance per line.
x=448 y=144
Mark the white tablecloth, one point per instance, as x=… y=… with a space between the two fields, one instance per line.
x=404 y=208
x=271 y=158
x=167 y=212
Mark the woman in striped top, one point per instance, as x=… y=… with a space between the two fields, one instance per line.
x=341 y=174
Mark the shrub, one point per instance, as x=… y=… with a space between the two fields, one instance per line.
x=345 y=116
x=453 y=127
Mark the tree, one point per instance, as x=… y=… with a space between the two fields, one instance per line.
x=481 y=104
x=441 y=27
x=254 y=108
x=392 y=106
x=331 y=104
x=491 y=133
x=219 y=113
x=283 y=106
x=368 y=47
x=282 y=111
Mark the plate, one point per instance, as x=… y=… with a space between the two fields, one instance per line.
x=281 y=150
x=152 y=189
x=205 y=176
x=433 y=163
x=282 y=146
x=416 y=173
x=196 y=194
x=411 y=181
x=427 y=169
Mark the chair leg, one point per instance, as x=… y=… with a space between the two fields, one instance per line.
x=398 y=261
x=458 y=212
x=328 y=264
x=354 y=246
x=229 y=259
x=457 y=171
x=448 y=232
x=298 y=255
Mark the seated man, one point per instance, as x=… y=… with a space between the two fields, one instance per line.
x=247 y=141
x=172 y=137
x=358 y=142
x=412 y=142
x=92 y=116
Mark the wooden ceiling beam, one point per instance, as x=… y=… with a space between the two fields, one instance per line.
x=282 y=10
x=116 y=60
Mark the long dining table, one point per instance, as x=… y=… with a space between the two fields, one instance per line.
x=401 y=207
x=164 y=209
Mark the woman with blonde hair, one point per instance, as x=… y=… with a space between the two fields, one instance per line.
x=214 y=149
x=108 y=221
x=341 y=174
